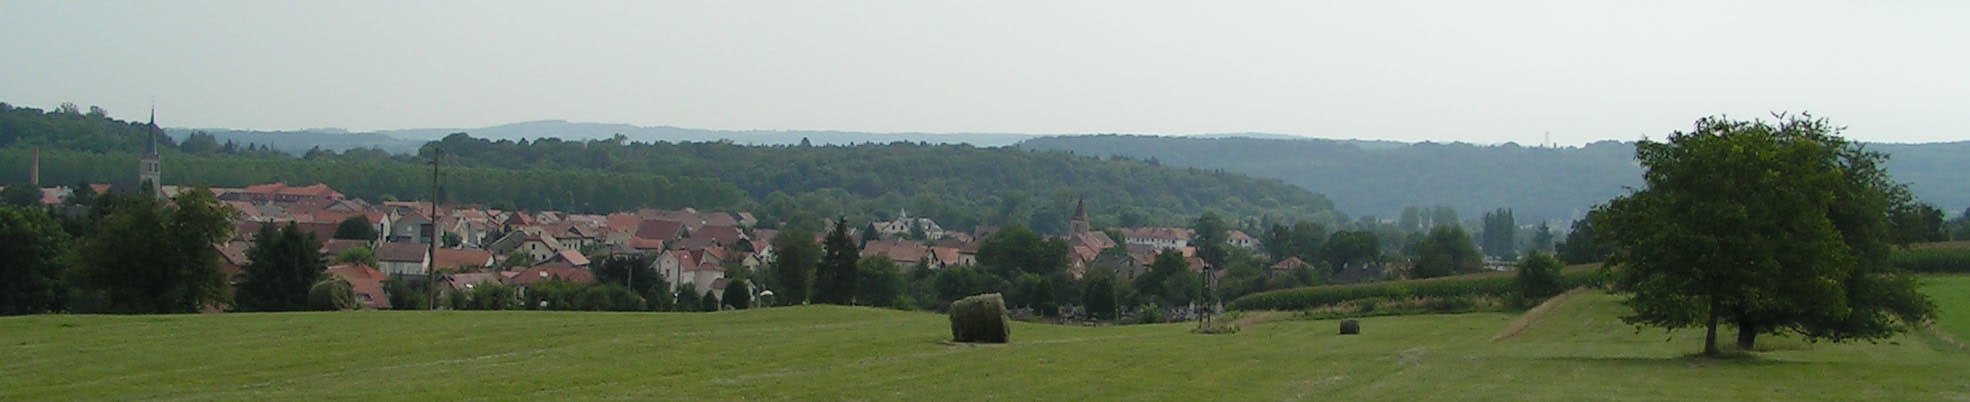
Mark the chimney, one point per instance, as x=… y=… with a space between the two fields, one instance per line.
x=34 y=168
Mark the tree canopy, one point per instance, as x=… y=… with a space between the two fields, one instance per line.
x=281 y=266
x=1771 y=227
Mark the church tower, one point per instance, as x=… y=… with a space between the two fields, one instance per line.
x=147 y=172
x=1080 y=222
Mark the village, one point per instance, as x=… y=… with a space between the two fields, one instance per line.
x=478 y=245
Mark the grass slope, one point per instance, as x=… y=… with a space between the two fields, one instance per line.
x=1577 y=351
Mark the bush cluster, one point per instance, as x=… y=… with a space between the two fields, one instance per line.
x=980 y=318
x=1448 y=294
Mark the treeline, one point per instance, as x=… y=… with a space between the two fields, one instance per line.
x=956 y=184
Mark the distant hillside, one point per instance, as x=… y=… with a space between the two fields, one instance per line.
x=1537 y=183
x=959 y=185
x=406 y=141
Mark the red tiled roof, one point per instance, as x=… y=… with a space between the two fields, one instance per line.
x=401 y=252
x=552 y=270
x=461 y=257
x=367 y=281
x=658 y=230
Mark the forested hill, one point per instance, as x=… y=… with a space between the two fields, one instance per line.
x=959 y=185
x=1537 y=183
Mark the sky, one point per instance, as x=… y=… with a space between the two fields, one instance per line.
x=1479 y=72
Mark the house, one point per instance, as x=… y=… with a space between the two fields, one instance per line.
x=409 y=227
x=659 y=230
x=403 y=259
x=367 y=283
x=1242 y=240
x=1286 y=266
x=904 y=252
x=1161 y=238
x=468 y=280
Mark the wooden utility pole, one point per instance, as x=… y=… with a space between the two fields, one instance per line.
x=431 y=256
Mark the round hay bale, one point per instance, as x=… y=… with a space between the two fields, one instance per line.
x=980 y=318
x=1350 y=327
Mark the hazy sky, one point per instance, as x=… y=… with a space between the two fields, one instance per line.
x=1485 y=72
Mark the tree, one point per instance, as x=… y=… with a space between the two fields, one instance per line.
x=357 y=255
x=281 y=266
x=1098 y=294
x=794 y=258
x=1769 y=227
x=1500 y=235
x=961 y=281
x=1446 y=251
x=1913 y=222
x=20 y=195
x=1580 y=247
x=738 y=294
x=148 y=258
x=1169 y=281
x=1210 y=237
x=355 y=228
x=636 y=272
x=31 y=248
x=1016 y=250
x=1542 y=237
x=834 y=279
x=1538 y=277
x=1349 y=247
x=878 y=283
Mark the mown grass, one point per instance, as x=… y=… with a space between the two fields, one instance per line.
x=1577 y=351
x=1952 y=296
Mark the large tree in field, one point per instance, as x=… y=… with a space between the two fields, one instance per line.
x=1766 y=227
x=281 y=266
x=31 y=247
x=834 y=279
x=150 y=257
x=794 y=257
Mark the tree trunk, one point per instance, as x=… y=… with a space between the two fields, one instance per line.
x=1746 y=334
x=1710 y=333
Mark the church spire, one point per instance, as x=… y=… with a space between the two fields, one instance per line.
x=1080 y=223
x=150 y=150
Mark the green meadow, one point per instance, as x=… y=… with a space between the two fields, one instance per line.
x=1574 y=348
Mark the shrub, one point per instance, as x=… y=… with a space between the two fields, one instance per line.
x=332 y=294
x=1538 y=278
x=1496 y=285
x=980 y=318
x=1149 y=314
x=1350 y=327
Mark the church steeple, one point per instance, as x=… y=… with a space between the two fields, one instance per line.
x=1080 y=222
x=148 y=177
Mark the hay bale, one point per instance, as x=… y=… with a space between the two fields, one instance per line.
x=1350 y=327
x=980 y=318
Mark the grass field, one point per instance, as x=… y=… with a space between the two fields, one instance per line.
x=1574 y=350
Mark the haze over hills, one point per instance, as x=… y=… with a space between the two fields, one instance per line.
x=1538 y=183
x=1376 y=178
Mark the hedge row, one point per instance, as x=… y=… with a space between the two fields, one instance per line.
x=1932 y=260
x=1494 y=285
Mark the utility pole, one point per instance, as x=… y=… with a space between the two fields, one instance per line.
x=431 y=256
